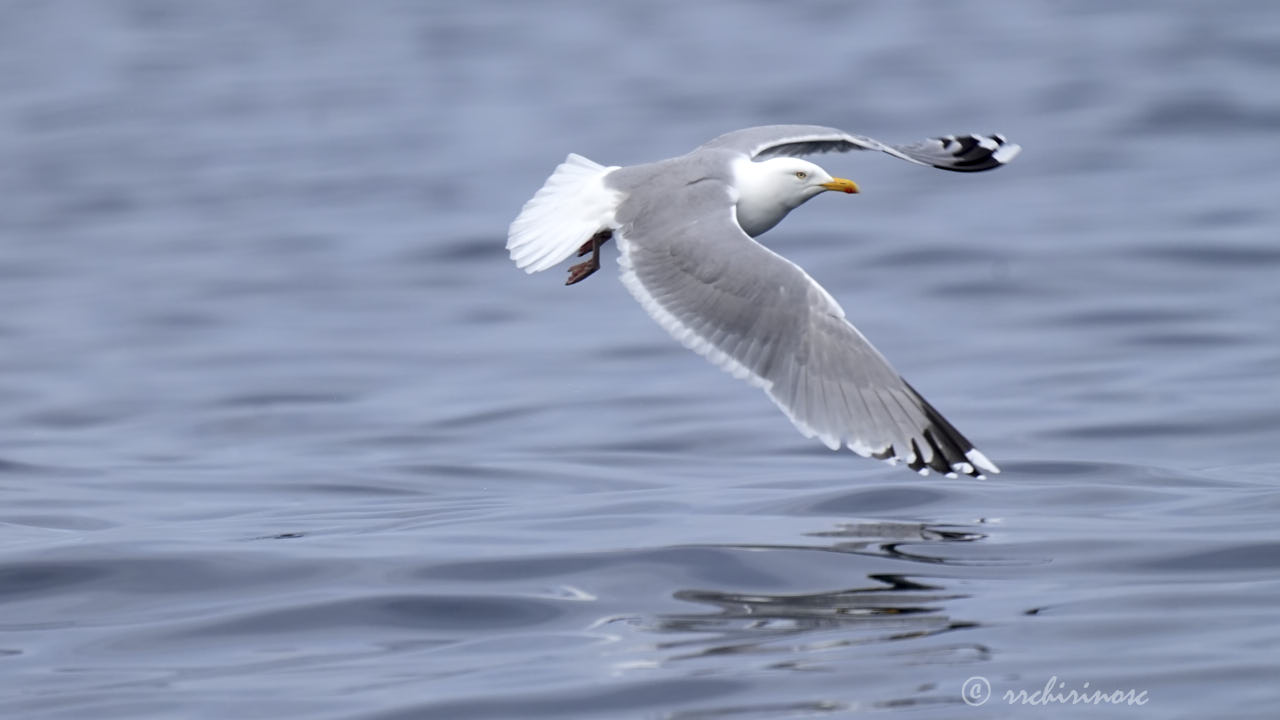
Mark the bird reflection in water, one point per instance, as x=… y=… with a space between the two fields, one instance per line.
x=890 y=607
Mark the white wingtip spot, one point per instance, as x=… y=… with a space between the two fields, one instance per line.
x=981 y=462
x=1006 y=153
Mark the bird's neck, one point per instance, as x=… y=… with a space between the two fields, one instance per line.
x=762 y=200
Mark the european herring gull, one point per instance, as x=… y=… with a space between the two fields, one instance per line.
x=685 y=229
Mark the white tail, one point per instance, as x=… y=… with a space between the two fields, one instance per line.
x=572 y=205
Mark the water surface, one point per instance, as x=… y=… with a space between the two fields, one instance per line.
x=283 y=433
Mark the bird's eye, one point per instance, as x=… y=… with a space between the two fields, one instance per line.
x=802 y=174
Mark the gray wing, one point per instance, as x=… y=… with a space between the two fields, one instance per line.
x=762 y=318
x=961 y=153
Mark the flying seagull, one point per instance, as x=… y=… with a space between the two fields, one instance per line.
x=685 y=229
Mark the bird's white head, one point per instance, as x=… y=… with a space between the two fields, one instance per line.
x=769 y=189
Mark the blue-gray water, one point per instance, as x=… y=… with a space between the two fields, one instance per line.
x=284 y=434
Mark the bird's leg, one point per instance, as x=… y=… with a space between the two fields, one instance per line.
x=583 y=270
x=591 y=245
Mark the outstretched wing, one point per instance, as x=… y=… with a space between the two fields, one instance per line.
x=961 y=153
x=762 y=318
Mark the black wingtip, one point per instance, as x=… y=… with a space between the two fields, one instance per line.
x=971 y=153
x=950 y=452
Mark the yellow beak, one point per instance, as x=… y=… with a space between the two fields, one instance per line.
x=842 y=185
